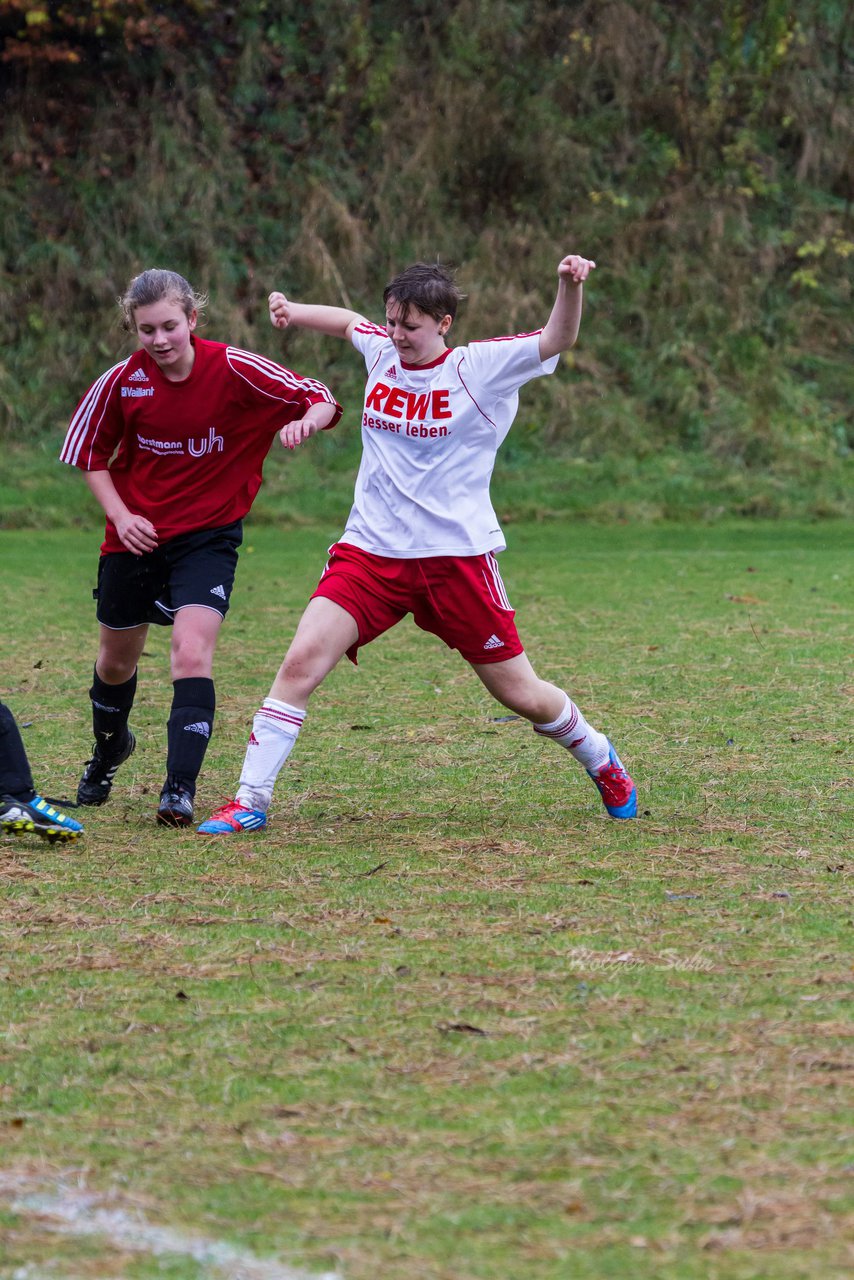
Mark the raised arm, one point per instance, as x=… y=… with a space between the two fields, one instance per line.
x=561 y=328
x=336 y=322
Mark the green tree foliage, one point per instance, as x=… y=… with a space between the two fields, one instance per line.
x=700 y=152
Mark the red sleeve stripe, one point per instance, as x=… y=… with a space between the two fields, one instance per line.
x=469 y=394
x=376 y=362
x=510 y=337
x=88 y=417
x=367 y=326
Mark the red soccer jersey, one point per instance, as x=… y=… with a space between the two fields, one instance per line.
x=187 y=455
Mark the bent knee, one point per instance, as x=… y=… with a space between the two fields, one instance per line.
x=116 y=662
x=114 y=670
x=191 y=658
x=530 y=697
x=305 y=667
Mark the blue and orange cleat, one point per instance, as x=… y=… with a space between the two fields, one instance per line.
x=39 y=817
x=231 y=818
x=618 y=792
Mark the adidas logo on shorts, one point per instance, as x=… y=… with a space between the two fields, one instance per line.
x=218 y=591
x=494 y=643
x=200 y=727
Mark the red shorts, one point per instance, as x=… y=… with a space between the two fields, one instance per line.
x=460 y=599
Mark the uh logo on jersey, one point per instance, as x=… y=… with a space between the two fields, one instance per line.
x=212 y=443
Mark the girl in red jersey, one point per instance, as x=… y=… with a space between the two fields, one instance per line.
x=172 y=441
x=422 y=534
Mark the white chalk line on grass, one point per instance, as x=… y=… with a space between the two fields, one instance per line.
x=72 y=1210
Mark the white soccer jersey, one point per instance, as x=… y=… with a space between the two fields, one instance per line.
x=430 y=434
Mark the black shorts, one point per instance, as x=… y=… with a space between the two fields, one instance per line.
x=194 y=568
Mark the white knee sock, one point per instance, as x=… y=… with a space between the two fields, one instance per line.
x=275 y=729
x=571 y=730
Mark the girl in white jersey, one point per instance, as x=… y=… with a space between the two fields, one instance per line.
x=422 y=534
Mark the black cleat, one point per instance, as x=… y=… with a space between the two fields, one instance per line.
x=176 y=804
x=98 y=775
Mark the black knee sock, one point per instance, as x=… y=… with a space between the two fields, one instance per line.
x=16 y=779
x=190 y=727
x=111 y=706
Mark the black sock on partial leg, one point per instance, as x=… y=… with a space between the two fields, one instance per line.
x=190 y=728
x=111 y=708
x=16 y=778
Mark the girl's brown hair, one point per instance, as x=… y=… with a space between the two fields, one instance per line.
x=429 y=286
x=154 y=285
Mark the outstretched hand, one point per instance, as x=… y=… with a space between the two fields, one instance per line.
x=280 y=313
x=573 y=269
x=295 y=433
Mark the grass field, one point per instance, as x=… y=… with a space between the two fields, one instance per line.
x=444 y=1020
